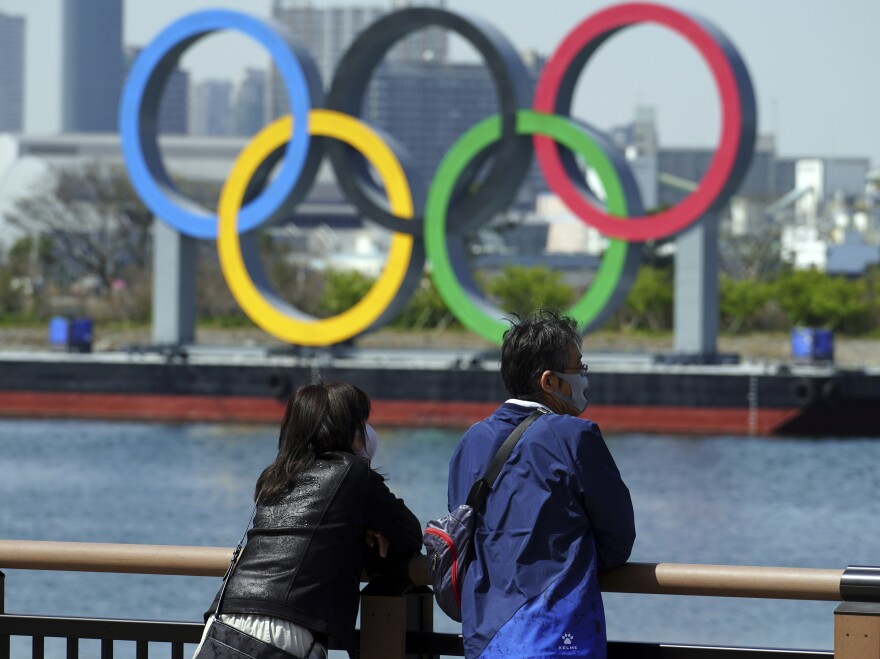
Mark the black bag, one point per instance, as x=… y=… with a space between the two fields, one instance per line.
x=223 y=641
x=449 y=540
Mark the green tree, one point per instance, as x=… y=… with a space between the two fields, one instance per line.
x=741 y=301
x=426 y=309
x=20 y=280
x=20 y=258
x=11 y=299
x=521 y=289
x=753 y=256
x=649 y=303
x=816 y=299
x=95 y=220
x=342 y=290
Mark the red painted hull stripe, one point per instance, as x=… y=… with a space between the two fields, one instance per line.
x=396 y=413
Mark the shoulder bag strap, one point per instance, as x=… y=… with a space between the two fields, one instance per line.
x=480 y=490
x=232 y=563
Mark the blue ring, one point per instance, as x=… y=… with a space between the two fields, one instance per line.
x=138 y=126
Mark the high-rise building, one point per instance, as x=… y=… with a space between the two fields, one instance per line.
x=92 y=65
x=428 y=105
x=327 y=32
x=250 y=103
x=425 y=101
x=174 y=108
x=11 y=72
x=211 y=108
x=638 y=138
x=691 y=164
x=174 y=105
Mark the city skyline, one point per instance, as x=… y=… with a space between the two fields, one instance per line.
x=812 y=70
x=12 y=38
x=92 y=65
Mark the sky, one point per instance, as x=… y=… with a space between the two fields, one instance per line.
x=813 y=64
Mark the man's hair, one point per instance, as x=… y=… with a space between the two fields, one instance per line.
x=533 y=344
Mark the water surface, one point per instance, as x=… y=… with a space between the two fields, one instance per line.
x=726 y=500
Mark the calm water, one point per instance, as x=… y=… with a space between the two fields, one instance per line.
x=729 y=500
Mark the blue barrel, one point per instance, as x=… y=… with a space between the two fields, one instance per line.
x=823 y=345
x=810 y=344
x=802 y=344
x=59 y=331
x=81 y=334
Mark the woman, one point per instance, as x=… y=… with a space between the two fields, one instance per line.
x=318 y=506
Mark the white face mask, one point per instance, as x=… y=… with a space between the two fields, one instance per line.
x=371 y=443
x=580 y=387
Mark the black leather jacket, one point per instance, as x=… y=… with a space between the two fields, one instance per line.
x=304 y=555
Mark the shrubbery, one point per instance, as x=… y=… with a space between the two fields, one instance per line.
x=520 y=289
x=426 y=310
x=787 y=299
x=649 y=303
x=792 y=298
x=814 y=299
x=98 y=264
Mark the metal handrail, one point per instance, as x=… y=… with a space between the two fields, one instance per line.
x=647 y=578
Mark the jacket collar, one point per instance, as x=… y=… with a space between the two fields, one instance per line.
x=515 y=410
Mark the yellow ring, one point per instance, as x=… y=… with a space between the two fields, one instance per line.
x=326 y=331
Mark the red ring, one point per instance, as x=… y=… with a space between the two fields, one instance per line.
x=689 y=210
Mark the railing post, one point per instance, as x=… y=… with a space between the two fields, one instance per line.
x=857 y=619
x=4 y=638
x=390 y=608
x=420 y=613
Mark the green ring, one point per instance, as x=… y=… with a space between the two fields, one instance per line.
x=467 y=303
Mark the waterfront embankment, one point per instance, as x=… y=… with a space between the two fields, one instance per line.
x=849 y=352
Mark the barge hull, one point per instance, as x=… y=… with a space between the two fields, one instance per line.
x=630 y=398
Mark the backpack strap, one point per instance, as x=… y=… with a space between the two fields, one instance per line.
x=480 y=490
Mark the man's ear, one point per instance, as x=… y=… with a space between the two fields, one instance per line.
x=545 y=382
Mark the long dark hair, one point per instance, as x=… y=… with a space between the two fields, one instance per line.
x=319 y=418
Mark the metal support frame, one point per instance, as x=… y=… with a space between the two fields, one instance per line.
x=696 y=290
x=174 y=288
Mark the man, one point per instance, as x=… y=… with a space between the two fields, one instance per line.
x=557 y=515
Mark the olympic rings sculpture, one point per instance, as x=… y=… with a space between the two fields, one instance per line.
x=427 y=226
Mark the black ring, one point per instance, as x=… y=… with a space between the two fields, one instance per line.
x=513 y=86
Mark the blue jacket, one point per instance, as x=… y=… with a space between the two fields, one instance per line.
x=558 y=513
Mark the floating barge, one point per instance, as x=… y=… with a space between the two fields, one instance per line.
x=439 y=388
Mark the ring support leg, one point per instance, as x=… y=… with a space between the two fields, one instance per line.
x=174 y=288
